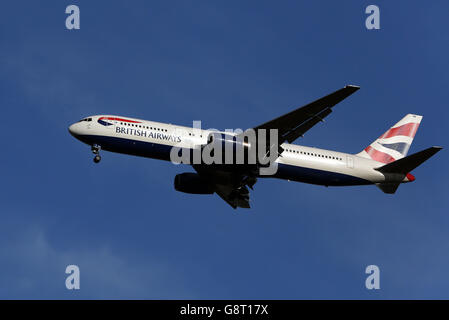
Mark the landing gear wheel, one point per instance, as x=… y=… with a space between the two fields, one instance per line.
x=96 y=151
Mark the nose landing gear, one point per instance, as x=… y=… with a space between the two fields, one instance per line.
x=97 y=158
x=96 y=150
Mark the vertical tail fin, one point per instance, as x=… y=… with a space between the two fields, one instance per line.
x=395 y=143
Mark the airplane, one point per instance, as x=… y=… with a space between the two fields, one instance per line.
x=383 y=163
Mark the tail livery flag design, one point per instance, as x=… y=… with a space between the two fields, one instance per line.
x=395 y=143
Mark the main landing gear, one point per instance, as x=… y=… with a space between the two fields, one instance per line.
x=96 y=150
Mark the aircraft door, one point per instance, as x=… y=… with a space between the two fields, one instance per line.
x=350 y=162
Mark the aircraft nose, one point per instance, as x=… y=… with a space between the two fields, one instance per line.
x=74 y=129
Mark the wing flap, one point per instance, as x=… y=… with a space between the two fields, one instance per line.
x=236 y=198
x=308 y=124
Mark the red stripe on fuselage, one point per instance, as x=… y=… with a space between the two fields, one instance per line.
x=118 y=119
x=379 y=155
x=408 y=129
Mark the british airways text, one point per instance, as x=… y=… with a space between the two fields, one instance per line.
x=148 y=134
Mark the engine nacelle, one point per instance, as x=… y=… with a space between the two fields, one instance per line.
x=190 y=182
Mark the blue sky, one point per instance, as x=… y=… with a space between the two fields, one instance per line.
x=232 y=64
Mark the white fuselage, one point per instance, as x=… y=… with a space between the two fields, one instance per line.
x=155 y=140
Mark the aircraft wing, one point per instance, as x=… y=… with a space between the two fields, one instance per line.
x=236 y=198
x=230 y=185
x=294 y=124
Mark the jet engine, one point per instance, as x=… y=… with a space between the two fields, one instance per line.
x=190 y=182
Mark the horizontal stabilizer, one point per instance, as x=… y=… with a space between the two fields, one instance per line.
x=407 y=164
x=388 y=187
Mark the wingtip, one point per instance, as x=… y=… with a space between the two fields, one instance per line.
x=352 y=86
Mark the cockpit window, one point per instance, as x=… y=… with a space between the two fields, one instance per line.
x=85 y=119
